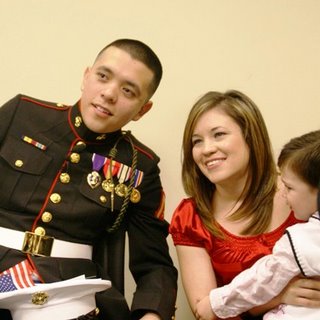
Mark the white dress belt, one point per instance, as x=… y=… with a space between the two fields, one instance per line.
x=60 y=249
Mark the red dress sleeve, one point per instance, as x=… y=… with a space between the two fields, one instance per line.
x=229 y=255
x=186 y=227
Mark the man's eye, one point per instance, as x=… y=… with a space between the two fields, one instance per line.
x=102 y=75
x=128 y=92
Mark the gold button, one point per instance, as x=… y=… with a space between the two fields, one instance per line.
x=81 y=143
x=75 y=157
x=103 y=199
x=18 y=163
x=78 y=121
x=60 y=105
x=40 y=231
x=64 y=177
x=46 y=217
x=55 y=198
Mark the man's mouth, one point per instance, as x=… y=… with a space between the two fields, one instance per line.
x=102 y=109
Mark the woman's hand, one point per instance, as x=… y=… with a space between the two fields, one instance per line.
x=303 y=292
x=203 y=310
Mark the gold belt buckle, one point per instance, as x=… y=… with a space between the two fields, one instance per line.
x=37 y=245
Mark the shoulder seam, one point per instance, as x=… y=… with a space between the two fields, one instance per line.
x=43 y=104
x=149 y=155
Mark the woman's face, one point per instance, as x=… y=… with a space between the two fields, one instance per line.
x=301 y=197
x=219 y=148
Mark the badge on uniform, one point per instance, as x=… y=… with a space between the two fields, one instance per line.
x=123 y=175
x=110 y=169
x=135 y=194
x=94 y=178
x=116 y=177
x=34 y=142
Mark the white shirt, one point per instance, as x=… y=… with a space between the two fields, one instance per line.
x=298 y=251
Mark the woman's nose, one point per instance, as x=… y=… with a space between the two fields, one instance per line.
x=209 y=147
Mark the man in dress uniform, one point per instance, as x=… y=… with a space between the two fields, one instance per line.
x=73 y=183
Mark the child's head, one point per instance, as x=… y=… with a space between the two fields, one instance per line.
x=299 y=162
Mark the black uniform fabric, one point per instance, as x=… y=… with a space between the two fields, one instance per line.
x=84 y=213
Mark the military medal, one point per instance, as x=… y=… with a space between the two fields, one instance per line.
x=135 y=196
x=121 y=190
x=110 y=169
x=94 y=178
x=123 y=175
x=107 y=185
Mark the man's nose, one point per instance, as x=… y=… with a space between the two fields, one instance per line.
x=110 y=92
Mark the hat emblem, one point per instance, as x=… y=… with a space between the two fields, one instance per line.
x=40 y=298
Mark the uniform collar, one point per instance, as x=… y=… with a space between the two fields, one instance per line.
x=83 y=133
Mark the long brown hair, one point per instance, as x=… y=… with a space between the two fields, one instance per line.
x=261 y=183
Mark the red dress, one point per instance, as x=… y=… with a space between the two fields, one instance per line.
x=229 y=256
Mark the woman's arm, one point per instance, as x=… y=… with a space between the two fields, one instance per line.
x=197 y=274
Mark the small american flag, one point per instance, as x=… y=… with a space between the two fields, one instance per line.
x=17 y=277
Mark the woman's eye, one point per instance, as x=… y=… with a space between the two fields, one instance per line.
x=219 y=134
x=196 y=141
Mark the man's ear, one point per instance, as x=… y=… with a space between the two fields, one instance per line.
x=144 y=109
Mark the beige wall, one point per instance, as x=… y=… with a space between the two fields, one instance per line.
x=269 y=49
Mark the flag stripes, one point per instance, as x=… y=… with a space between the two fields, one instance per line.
x=17 y=277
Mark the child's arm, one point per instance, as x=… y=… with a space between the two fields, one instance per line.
x=258 y=284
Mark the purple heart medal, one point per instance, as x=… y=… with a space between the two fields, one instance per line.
x=94 y=178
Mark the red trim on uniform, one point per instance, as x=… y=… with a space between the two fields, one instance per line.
x=160 y=211
x=71 y=125
x=43 y=104
x=149 y=155
x=49 y=193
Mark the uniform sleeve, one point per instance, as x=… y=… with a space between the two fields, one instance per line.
x=258 y=284
x=186 y=227
x=7 y=112
x=149 y=259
